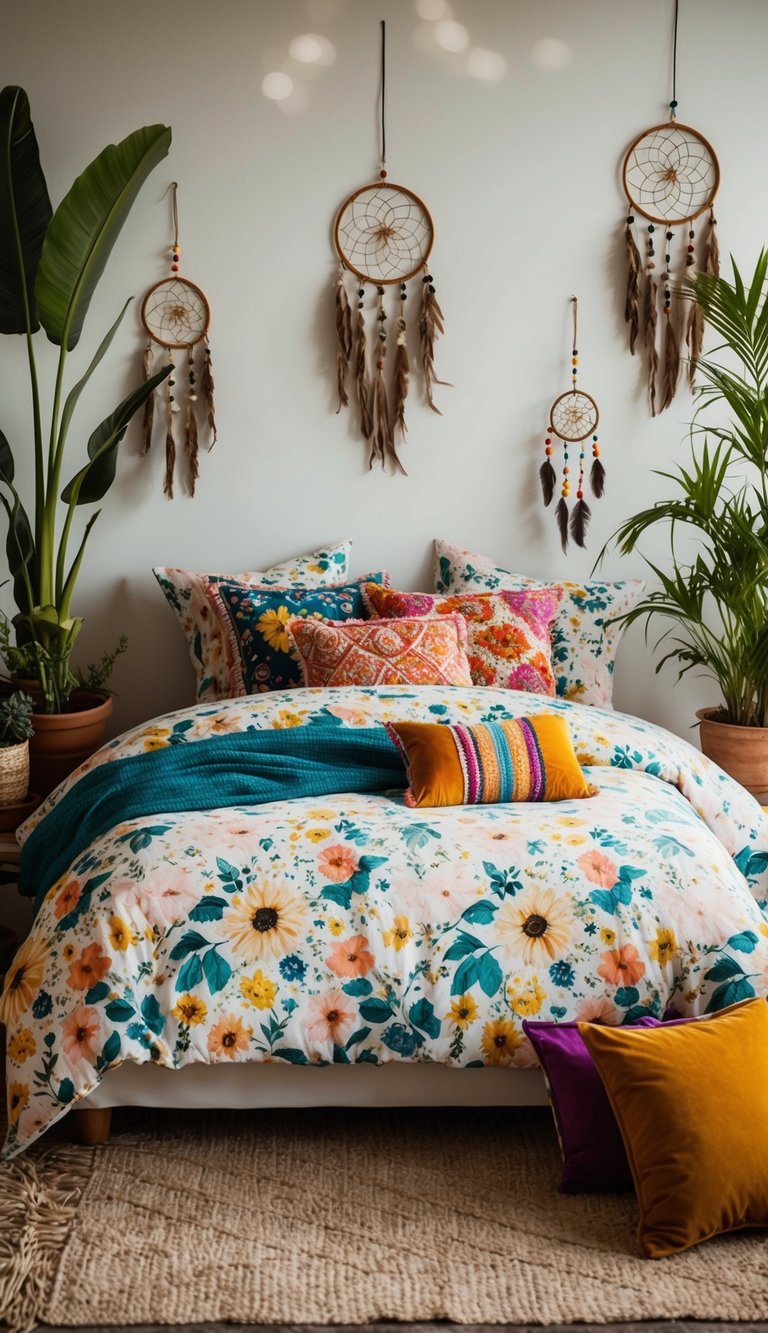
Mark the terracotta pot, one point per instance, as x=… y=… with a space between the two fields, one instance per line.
x=741 y=751
x=63 y=740
x=11 y=816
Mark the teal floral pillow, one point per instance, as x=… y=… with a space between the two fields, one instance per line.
x=185 y=593
x=254 y=622
x=584 y=645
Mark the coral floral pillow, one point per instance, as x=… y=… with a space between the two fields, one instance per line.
x=414 y=650
x=509 y=643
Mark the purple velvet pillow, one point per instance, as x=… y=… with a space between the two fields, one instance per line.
x=593 y=1152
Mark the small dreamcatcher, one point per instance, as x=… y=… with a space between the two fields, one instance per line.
x=671 y=176
x=176 y=314
x=383 y=236
x=573 y=419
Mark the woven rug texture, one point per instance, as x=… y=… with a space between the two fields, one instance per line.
x=347 y=1217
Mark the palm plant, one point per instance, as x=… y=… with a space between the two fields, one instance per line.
x=716 y=599
x=50 y=265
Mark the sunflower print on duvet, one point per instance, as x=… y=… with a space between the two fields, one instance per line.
x=354 y=929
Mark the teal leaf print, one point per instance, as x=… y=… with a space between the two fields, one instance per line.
x=152 y=1014
x=191 y=974
x=110 y=1051
x=66 y=1091
x=209 y=909
x=626 y=996
x=480 y=914
x=489 y=974
x=357 y=1037
x=417 y=836
x=638 y=1011
x=97 y=993
x=724 y=970
x=229 y=875
x=177 y=736
x=422 y=1015
x=293 y=1056
x=119 y=1011
x=463 y=945
x=609 y=899
x=84 y=901
x=502 y=882
x=745 y=942
x=669 y=846
x=465 y=978
x=730 y=993
x=367 y=1057
x=340 y=894
x=217 y=971
x=557 y=1011
x=190 y=942
x=751 y=864
x=142 y=838
x=402 y=1040
x=360 y=986
x=375 y=1011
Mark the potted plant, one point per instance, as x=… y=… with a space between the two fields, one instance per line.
x=15 y=733
x=714 y=591
x=50 y=264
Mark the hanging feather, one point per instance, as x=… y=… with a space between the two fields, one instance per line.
x=360 y=370
x=343 y=339
x=170 y=442
x=694 y=337
x=401 y=372
x=149 y=406
x=548 y=480
x=632 y=305
x=649 y=339
x=382 y=441
x=206 y=388
x=561 y=517
x=597 y=478
x=671 y=372
x=713 y=248
x=190 y=441
x=580 y=522
x=430 y=327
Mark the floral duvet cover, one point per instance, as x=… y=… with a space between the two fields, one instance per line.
x=354 y=929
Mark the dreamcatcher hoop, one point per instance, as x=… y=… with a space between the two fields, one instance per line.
x=405 y=232
x=185 y=302
x=563 y=418
x=662 y=156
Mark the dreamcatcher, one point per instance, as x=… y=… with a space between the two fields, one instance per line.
x=176 y=314
x=671 y=176
x=573 y=419
x=383 y=236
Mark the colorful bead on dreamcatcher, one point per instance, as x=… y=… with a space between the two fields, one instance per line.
x=573 y=418
x=671 y=176
x=176 y=315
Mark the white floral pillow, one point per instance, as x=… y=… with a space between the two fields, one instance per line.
x=186 y=595
x=583 y=646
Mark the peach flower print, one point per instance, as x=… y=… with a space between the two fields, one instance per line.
x=599 y=869
x=337 y=863
x=330 y=1018
x=92 y=966
x=599 y=1010
x=229 y=1037
x=350 y=958
x=67 y=899
x=80 y=1035
x=621 y=967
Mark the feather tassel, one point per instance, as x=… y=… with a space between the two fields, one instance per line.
x=430 y=327
x=343 y=340
x=170 y=459
x=671 y=365
x=649 y=339
x=401 y=373
x=713 y=248
x=694 y=337
x=632 y=305
x=597 y=478
x=206 y=388
x=149 y=407
x=360 y=370
x=561 y=516
x=382 y=440
x=548 y=480
x=580 y=522
x=191 y=444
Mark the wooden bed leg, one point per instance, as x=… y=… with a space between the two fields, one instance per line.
x=92 y=1124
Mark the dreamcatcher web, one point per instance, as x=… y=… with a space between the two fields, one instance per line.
x=574 y=416
x=384 y=233
x=176 y=313
x=671 y=174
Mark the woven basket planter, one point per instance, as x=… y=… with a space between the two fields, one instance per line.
x=14 y=773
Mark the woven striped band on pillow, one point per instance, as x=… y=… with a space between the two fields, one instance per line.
x=516 y=759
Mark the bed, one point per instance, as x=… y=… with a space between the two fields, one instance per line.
x=345 y=948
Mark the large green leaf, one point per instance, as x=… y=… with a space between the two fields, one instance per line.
x=93 y=481
x=25 y=211
x=86 y=225
x=20 y=549
x=7 y=469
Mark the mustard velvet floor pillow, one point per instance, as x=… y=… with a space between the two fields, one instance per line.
x=691 y=1102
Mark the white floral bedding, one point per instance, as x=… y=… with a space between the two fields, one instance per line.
x=352 y=928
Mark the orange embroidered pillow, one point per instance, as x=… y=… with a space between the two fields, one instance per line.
x=691 y=1102
x=413 y=651
x=508 y=632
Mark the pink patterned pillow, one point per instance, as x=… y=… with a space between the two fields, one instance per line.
x=509 y=632
x=415 y=650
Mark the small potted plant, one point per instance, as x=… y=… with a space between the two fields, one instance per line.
x=15 y=733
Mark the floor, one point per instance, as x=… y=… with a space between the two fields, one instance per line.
x=667 y=1327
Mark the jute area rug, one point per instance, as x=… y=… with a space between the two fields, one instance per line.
x=340 y=1217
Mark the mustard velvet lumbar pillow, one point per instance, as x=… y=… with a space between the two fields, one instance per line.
x=691 y=1102
x=516 y=759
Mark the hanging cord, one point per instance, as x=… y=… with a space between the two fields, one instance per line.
x=673 y=103
x=575 y=303
x=383 y=99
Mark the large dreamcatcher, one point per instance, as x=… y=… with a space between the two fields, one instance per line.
x=671 y=176
x=573 y=419
x=176 y=316
x=383 y=236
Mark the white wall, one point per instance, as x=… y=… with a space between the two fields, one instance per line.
x=522 y=178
